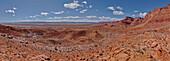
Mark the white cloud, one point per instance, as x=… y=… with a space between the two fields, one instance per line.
x=77 y=9
x=44 y=13
x=104 y=18
x=84 y=20
x=108 y=18
x=142 y=14
x=111 y=8
x=54 y=17
x=73 y=5
x=84 y=2
x=120 y=8
x=133 y=15
x=115 y=19
x=118 y=13
x=10 y=11
x=14 y=8
x=13 y=15
x=83 y=11
x=58 y=12
x=35 y=16
x=32 y=16
x=72 y=17
x=90 y=6
x=91 y=17
x=136 y=11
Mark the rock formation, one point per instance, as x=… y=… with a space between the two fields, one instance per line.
x=129 y=21
x=159 y=16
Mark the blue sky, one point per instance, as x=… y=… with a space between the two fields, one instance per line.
x=75 y=10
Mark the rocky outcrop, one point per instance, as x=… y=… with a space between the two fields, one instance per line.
x=158 y=15
x=129 y=21
x=136 y=21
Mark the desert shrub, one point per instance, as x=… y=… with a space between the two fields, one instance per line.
x=139 y=51
x=125 y=52
x=144 y=49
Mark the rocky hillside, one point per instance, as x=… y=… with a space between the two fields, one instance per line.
x=159 y=17
x=75 y=34
x=18 y=31
x=12 y=30
x=129 y=21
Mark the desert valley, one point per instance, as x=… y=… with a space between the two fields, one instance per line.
x=130 y=39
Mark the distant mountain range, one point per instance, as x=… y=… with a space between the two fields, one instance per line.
x=56 y=22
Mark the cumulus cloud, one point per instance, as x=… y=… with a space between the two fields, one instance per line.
x=133 y=15
x=91 y=16
x=13 y=15
x=54 y=17
x=120 y=8
x=84 y=20
x=77 y=9
x=142 y=14
x=10 y=11
x=58 y=12
x=83 y=11
x=84 y=2
x=68 y=17
x=104 y=18
x=136 y=11
x=115 y=19
x=118 y=13
x=35 y=16
x=72 y=17
x=90 y=6
x=108 y=18
x=32 y=16
x=44 y=13
x=14 y=8
x=73 y=5
x=110 y=8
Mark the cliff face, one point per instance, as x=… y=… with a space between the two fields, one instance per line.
x=158 y=15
